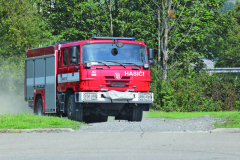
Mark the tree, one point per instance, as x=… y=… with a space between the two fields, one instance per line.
x=229 y=55
x=185 y=29
x=20 y=27
x=75 y=20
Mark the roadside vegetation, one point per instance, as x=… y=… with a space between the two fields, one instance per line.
x=192 y=92
x=232 y=118
x=178 y=37
x=30 y=121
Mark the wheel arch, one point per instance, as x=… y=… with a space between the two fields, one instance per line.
x=37 y=95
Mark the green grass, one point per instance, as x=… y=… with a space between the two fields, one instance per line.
x=233 y=117
x=29 y=121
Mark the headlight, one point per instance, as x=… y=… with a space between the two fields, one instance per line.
x=90 y=96
x=141 y=96
x=145 y=97
x=93 y=97
x=148 y=97
x=87 y=96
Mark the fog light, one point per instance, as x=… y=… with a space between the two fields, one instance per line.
x=141 y=96
x=94 y=97
x=87 y=96
x=145 y=97
x=149 y=97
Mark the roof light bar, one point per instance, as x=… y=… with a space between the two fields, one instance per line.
x=126 y=38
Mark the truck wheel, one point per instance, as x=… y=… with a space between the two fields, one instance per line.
x=103 y=118
x=39 y=108
x=136 y=114
x=71 y=107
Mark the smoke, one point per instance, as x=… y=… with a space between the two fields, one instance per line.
x=12 y=89
x=10 y=103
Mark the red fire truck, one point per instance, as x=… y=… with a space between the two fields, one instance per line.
x=89 y=80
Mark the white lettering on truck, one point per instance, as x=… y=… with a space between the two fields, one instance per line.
x=134 y=73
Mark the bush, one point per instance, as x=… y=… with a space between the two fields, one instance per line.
x=196 y=92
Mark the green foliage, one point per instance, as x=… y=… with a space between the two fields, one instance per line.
x=233 y=117
x=233 y=121
x=182 y=115
x=27 y=23
x=229 y=55
x=196 y=92
x=20 y=27
x=29 y=121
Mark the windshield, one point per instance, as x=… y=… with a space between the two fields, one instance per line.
x=110 y=53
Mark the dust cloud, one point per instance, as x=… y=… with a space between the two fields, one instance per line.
x=13 y=104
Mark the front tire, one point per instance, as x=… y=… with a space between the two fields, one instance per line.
x=74 y=110
x=136 y=114
x=71 y=107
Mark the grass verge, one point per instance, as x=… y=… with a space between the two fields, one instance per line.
x=233 y=117
x=29 y=121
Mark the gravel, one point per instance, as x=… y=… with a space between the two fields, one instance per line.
x=199 y=124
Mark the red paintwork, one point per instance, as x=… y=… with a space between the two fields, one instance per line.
x=56 y=60
x=91 y=83
x=42 y=93
x=40 y=51
x=87 y=81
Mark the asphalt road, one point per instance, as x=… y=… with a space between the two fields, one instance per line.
x=119 y=145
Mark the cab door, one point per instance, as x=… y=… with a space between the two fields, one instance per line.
x=68 y=72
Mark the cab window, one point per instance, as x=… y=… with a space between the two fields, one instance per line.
x=65 y=57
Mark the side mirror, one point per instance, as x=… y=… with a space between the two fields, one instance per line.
x=151 y=62
x=73 y=54
x=151 y=53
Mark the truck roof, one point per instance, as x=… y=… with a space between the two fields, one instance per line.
x=114 y=38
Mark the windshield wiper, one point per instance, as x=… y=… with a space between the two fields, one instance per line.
x=132 y=63
x=100 y=62
x=116 y=62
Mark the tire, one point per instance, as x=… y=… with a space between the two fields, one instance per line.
x=39 y=108
x=103 y=118
x=71 y=107
x=74 y=110
x=136 y=114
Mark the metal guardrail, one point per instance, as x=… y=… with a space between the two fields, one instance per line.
x=222 y=70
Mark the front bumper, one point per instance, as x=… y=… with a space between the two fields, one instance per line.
x=98 y=97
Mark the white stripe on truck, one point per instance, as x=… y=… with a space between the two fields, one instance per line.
x=68 y=77
x=40 y=81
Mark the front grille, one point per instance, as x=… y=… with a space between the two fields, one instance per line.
x=115 y=86
x=109 y=77
x=117 y=83
x=112 y=77
x=125 y=77
x=112 y=82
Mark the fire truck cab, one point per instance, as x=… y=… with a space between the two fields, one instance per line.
x=89 y=80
